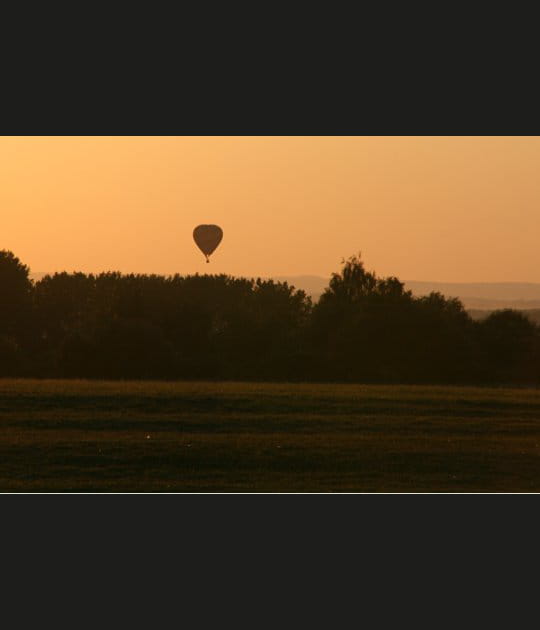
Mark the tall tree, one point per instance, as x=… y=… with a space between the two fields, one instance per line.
x=15 y=294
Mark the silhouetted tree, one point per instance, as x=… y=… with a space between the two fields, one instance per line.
x=442 y=338
x=509 y=346
x=10 y=356
x=16 y=329
x=363 y=328
x=120 y=348
x=16 y=294
x=357 y=324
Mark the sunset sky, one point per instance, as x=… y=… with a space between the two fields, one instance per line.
x=454 y=209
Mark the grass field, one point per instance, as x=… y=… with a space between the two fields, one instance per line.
x=235 y=437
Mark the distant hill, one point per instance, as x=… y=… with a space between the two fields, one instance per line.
x=486 y=296
x=37 y=275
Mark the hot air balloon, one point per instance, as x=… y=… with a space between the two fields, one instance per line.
x=207 y=237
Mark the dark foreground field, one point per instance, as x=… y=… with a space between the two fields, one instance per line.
x=186 y=437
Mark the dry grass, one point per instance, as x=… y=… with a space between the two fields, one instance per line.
x=236 y=437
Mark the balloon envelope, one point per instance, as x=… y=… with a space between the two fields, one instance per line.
x=207 y=237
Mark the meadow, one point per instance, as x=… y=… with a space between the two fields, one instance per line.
x=143 y=436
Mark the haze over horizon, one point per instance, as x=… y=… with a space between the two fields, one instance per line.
x=432 y=209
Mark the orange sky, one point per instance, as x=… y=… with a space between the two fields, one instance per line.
x=422 y=208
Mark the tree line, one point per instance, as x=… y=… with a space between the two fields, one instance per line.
x=364 y=328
